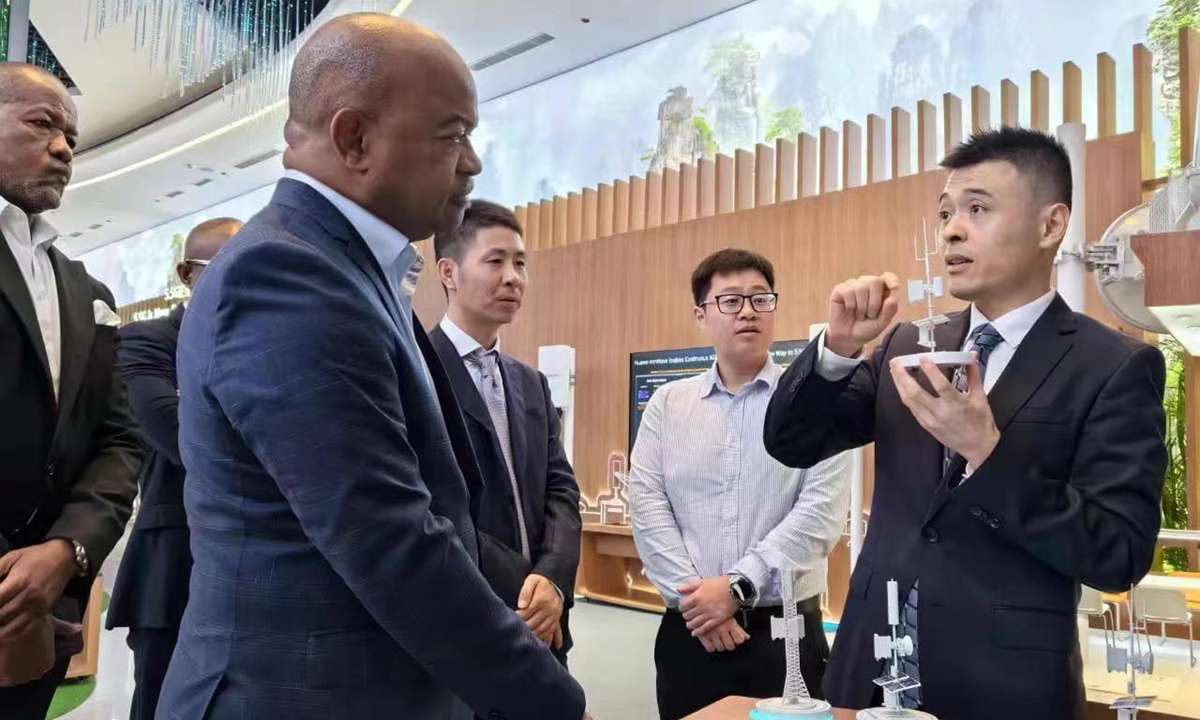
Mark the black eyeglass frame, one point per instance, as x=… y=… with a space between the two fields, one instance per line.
x=717 y=301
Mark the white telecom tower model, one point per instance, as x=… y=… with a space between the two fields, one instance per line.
x=924 y=291
x=1133 y=661
x=796 y=704
x=893 y=681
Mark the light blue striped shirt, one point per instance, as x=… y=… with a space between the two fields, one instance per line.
x=707 y=500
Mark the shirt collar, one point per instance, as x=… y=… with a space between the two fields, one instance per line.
x=1013 y=326
x=385 y=242
x=463 y=343
x=768 y=377
x=41 y=232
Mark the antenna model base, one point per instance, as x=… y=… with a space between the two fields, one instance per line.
x=882 y=713
x=953 y=359
x=803 y=709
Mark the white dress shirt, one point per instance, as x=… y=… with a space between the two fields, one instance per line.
x=464 y=345
x=30 y=239
x=706 y=499
x=1012 y=326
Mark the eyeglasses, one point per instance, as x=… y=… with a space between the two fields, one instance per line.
x=732 y=304
x=197 y=263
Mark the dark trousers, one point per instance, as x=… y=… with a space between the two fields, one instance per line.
x=31 y=700
x=152 y=649
x=690 y=678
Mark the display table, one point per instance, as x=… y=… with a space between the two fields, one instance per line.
x=738 y=708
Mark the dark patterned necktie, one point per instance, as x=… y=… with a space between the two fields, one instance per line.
x=983 y=340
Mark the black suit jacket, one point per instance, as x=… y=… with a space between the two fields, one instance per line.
x=151 y=589
x=549 y=491
x=68 y=468
x=1070 y=495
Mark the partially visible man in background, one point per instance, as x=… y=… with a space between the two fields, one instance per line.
x=151 y=589
x=69 y=455
x=529 y=524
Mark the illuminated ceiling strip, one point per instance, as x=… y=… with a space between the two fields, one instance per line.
x=396 y=12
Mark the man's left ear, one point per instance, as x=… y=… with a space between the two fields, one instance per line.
x=1054 y=225
x=445 y=271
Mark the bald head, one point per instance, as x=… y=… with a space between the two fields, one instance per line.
x=381 y=110
x=202 y=245
x=358 y=60
x=17 y=80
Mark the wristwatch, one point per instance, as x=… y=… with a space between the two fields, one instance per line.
x=742 y=591
x=81 y=558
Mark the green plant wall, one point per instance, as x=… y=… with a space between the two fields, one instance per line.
x=1174 y=502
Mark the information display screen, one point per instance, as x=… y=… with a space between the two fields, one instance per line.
x=648 y=371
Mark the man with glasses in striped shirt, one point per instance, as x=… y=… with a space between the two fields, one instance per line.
x=715 y=518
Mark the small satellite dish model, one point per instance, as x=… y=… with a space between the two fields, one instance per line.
x=795 y=704
x=924 y=291
x=1133 y=661
x=893 y=681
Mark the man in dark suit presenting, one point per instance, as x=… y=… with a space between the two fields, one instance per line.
x=999 y=491
x=151 y=589
x=68 y=452
x=331 y=488
x=529 y=521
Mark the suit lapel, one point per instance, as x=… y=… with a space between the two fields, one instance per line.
x=950 y=337
x=358 y=252
x=78 y=326
x=514 y=394
x=460 y=378
x=12 y=286
x=1048 y=341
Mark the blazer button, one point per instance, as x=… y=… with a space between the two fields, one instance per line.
x=976 y=511
x=50 y=471
x=994 y=524
x=931 y=535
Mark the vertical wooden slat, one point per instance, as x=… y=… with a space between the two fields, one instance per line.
x=547 y=239
x=1010 y=104
x=952 y=122
x=706 y=204
x=637 y=203
x=654 y=200
x=981 y=109
x=743 y=180
x=561 y=218
x=926 y=136
x=830 y=149
x=1143 y=105
x=1189 y=86
x=807 y=152
x=606 y=198
x=1039 y=101
x=620 y=207
x=1072 y=84
x=591 y=214
x=670 y=196
x=852 y=150
x=533 y=226
x=1106 y=95
x=574 y=218
x=522 y=214
x=785 y=170
x=764 y=175
x=877 y=159
x=726 y=178
x=901 y=143
x=689 y=192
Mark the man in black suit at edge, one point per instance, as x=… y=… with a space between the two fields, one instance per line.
x=151 y=589
x=1000 y=490
x=69 y=455
x=529 y=518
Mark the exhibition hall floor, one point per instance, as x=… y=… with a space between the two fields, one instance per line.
x=613 y=659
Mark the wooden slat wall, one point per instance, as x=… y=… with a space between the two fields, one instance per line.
x=671 y=204
x=830 y=150
x=981 y=109
x=1143 y=105
x=808 y=153
x=786 y=184
x=637 y=203
x=689 y=192
x=852 y=154
x=1010 y=104
x=547 y=239
x=726 y=177
x=591 y=214
x=1106 y=95
x=764 y=175
x=605 y=210
x=522 y=218
x=743 y=180
x=574 y=218
x=707 y=189
x=654 y=200
x=926 y=136
x=561 y=218
x=620 y=207
x=952 y=132
x=533 y=226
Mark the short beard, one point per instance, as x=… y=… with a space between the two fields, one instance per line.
x=31 y=197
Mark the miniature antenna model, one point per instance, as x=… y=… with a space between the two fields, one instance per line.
x=1133 y=661
x=925 y=291
x=893 y=681
x=796 y=704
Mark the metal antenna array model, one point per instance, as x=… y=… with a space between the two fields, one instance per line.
x=893 y=681
x=796 y=704
x=925 y=291
x=1133 y=661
